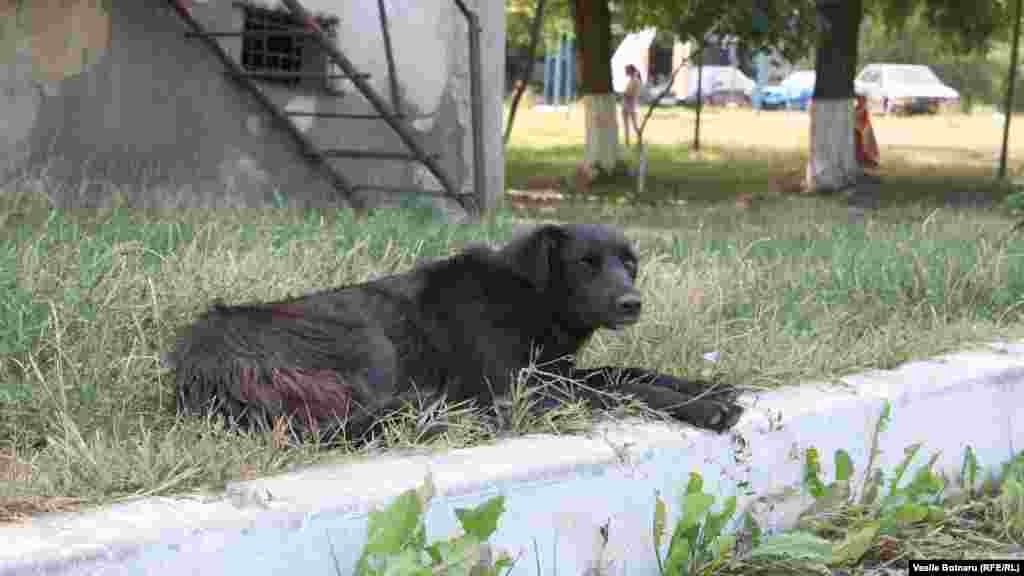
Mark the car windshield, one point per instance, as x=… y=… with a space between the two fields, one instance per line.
x=911 y=75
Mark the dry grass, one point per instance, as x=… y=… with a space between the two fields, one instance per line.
x=958 y=138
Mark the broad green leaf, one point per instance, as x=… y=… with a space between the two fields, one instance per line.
x=695 y=484
x=969 y=470
x=855 y=545
x=925 y=484
x=908 y=454
x=726 y=546
x=751 y=526
x=459 y=555
x=794 y=546
x=434 y=550
x=695 y=505
x=910 y=513
x=885 y=417
x=678 y=555
x=812 y=473
x=660 y=520
x=482 y=521
x=405 y=563
x=388 y=530
x=716 y=522
x=844 y=466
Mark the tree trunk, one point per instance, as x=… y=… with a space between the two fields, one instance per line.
x=594 y=36
x=700 y=94
x=833 y=161
x=524 y=78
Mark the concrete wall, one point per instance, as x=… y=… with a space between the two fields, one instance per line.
x=111 y=92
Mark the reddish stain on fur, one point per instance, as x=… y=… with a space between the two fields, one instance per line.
x=285 y=309
x=309 y=395
x=316 y=394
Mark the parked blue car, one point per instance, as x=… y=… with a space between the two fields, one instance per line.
x=772 y=97
x=798 y=88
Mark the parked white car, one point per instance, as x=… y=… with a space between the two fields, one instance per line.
x=907 y=88
x=719 y=85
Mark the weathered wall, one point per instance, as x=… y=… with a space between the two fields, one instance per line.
x=111 y=92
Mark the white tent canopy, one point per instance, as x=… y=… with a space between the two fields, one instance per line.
x=632 y=50
x=718 y=78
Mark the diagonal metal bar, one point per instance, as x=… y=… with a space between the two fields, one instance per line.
x=382 y=107
x=402 y=190
x=369 y=154
x=389 y=54
x=293 y=75
x=297 y=33
x=339 y=181
x=339 y=115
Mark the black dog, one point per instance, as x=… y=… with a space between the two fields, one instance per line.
x=461 y=326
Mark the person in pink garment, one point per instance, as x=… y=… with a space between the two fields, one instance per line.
x=631 y=100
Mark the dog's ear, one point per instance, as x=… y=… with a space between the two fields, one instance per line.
x=534 y=254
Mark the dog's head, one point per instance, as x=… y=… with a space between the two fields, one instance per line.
x=591 y=269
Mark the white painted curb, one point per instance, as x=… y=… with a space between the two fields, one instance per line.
x=558 y=490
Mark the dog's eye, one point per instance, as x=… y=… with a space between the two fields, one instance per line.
x=592 y=260
x=631 y=267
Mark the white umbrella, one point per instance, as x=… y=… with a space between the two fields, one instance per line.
x=631 y=51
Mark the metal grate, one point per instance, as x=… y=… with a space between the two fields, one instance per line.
x=276 y=48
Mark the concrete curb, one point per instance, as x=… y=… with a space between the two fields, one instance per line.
x=558 y=490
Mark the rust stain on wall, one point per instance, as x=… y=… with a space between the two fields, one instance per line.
x=63 y=37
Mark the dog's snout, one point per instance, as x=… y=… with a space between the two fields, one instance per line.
x=630 y=304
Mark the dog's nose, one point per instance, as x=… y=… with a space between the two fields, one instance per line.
x=629 y=304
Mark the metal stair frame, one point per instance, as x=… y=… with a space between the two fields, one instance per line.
x=474 y=203
x=235 y=71
x=384 y=109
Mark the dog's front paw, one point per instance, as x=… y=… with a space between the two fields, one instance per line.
x=711 y=407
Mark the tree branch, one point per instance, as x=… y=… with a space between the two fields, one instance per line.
x=535 y=26
x=668 y=88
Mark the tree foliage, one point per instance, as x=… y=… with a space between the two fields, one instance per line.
x=519 y=16
x=790 y=25
x=967 y=26
x=787 y=25
x=592 y=20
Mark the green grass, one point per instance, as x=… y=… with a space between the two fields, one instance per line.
x=674 y=173
x=677 y=173
x=788 y=291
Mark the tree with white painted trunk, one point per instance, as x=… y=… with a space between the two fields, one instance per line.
x=833 y=161
x=594 y=46
x=966 y=27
